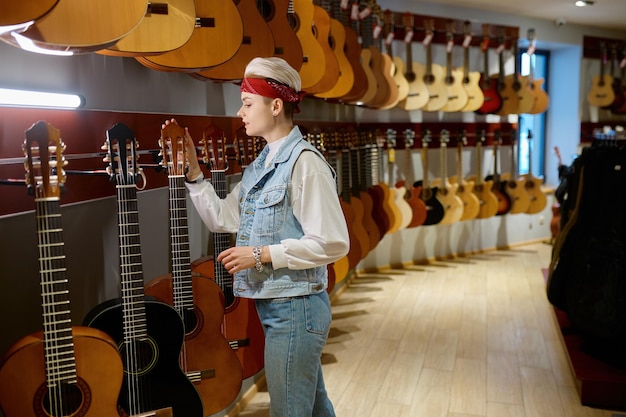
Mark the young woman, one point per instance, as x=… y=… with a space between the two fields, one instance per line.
x=289 y=226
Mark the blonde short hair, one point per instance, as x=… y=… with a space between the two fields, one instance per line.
x=275 y=68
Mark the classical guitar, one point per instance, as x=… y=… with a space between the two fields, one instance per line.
x=542 y=101
x=257 y=40
x=498 y=186
x=337 y=40
x=216 y=38
x=417 y=96
x=471 y=205
x=601 y=93
x=475 y=97
x=514 y=186
x=482 y=188
x=412 y=193
x=167 y=25
x=19 y=12
x=206 y=358
x=321 y=30
x=382 y=211
x=398 y=67
x=404 y=209
x=434 y=76
x=72 y=26
x=362 y=207
x=149 y=333
x=434 y=209
x=63 y=370
x=492 y=102
x=447 y=191
x=393 y=211
x=300 y=16
x=352 y=50
x=388 y=66
x=508 y=94
x=286 y=42
x=457 y=96
x=240 y=325
x=525 y=96
x=532 y=184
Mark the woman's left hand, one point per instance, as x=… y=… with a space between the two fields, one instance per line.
x=237 y=258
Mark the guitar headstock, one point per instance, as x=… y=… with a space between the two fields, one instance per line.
x=463 y=138
x=409 y=138
x=444 y=138
x=467 y=34
x=486 y=37
x=408 y=21
x=44 y=161
x=391 y=138
x=244 y=149
x=426 y=138
x=121 y=155
x=214 y=150
x=173 y=153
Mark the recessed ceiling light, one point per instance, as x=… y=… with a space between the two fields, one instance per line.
x=583 y=3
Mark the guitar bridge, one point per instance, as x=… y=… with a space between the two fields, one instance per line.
x=198 y=376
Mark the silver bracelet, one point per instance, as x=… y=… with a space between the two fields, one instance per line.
x=256 y=252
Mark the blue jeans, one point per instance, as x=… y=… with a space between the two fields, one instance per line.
x=296 y=329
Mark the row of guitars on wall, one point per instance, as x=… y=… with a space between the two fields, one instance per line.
x=374 y=208
x=607 y=89
x=342 y=49
x=181 y=352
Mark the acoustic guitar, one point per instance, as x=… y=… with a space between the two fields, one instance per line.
x=498 y=186
x=508 y=94
x=482 y=188
x=206 y=358
x=464 y=191
x=417 y=96
x=532 y=184
x=457 y=95
x=337 y=40
x=399 y=190
x=434 y=76
x=301 y=15
x=382 y=210
x=412 y=193
x=286 y=42
x=542 y=101
x=19 y=12
x=434 y=209
x=240 y=325
x=73 y=27
x=216 y=38
x=492 y=102
x=149 y=333
x=514 y=186
x=257 y=40
x=475 y=97
x=525 y=96
x=447 y=191
x=167 y=25
x=398 y=65
x=63 y=370
x=387 y=64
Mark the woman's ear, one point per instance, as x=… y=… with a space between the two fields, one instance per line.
x=277 y=106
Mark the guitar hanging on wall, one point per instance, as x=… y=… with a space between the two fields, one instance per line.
x=63 y=370
x=149 y=333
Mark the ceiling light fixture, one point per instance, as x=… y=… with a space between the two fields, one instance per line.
x=583 y=3
x=23 y=98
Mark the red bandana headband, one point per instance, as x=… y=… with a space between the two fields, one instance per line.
x=272 y=89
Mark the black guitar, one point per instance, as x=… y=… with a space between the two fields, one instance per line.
x=149 y=333
x=434 y=209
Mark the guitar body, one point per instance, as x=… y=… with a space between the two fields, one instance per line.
x=360 y=233
x=372 y=81
x=18 y=12
x=434 y=209
x=471 y=205
x=378 y=65
x=210 y=44
x=418 y=207
x=163 y=383
x=355 y=252
x=79 y=27
x=520 y=200
x=98 y=368
x=541 y=97
x=388 y=70
x=368 y=219
x=404 y=209
x=452 y=204
x=381 y=212
x=352 y=50
x=486 y=198
x=504 y=201
x=257 y=41
x=457 y=95
x=536 y=196
x=159 y=31
x=240 y=326
x=330 y=73
x=400 y=80
x=313 y=54
x=393 y=212
x=525 y=96
x=286 y=42
x=437 y=91
x=417 y=96
x=345 y=81
x=492 y=102
x=208 y=359
x=475 y=96
x=508 y=95
x=601 y=93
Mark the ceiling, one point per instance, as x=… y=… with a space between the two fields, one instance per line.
x=609 y=14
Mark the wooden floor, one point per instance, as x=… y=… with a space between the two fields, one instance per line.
x=473 y=336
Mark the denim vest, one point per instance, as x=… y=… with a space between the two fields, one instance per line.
x=267 y=218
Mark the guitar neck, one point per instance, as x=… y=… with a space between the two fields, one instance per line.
x=221 y=241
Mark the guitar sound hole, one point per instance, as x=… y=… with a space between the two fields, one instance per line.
x=139 y=356
x=68 y=399
x=429 y=79
x=192 y=321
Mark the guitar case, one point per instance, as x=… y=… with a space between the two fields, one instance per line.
x=587 y=276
